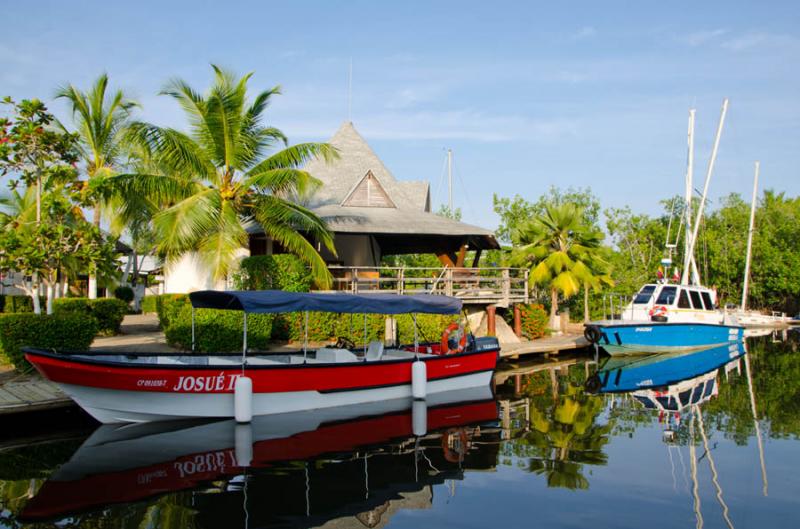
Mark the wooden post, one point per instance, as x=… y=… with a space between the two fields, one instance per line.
x=526 y=286
x=517 y=321
x=490 y=323
x=506 y=287
x=517 y=384
x=448 y=285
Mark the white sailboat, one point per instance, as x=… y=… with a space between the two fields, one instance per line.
x=752 y=319
x=668 y=316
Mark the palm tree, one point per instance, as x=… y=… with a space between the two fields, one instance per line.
x=215 y=181
x=100 y=123
x=561 y=249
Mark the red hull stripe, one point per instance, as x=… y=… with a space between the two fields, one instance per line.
x=266 y=379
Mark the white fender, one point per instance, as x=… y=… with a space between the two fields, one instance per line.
x=243 y=438
x=419 y=417
x=419 y=380
x=243 y=399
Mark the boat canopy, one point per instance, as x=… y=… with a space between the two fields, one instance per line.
x=266 y=301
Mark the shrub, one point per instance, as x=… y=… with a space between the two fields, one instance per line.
x=217 y=330
x=150 y=304
x=534 y=321
x=124 y=293
x=323 y=326
x=108 y=312
x=15 y=304
x=273 y=272
x=70 y=331
x=168 y=306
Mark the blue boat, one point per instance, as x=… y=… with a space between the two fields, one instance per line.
x=661 y=370
x=622 y=338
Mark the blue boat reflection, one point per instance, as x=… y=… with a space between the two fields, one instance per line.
x=627 y=374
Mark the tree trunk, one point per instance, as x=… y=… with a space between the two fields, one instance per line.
x=585 y=304
x=92 y=273
x=554 y=322
x=51 y=291
x=34 y=292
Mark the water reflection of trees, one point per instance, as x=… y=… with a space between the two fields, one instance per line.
x=560 y=432
x=776 y=381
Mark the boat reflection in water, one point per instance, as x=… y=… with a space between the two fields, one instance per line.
x=316 y=465
x=678 y=385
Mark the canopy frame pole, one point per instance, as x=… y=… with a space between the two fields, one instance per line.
x=244 y=340
x=416 y=331
x=193 y=341
x=305 y=339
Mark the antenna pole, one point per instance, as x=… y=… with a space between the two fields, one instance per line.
x=750 y=239
x=687 y=213
x=450 y=180
x=709 y=171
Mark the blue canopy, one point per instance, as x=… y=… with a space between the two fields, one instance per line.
x=263 y=301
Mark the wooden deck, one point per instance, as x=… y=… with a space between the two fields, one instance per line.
x=551 y=344
x=26 y=393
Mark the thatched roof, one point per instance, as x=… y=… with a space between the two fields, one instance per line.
x=404 y=210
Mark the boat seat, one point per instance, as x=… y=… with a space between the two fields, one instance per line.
x=374 y=351
x=330 y=355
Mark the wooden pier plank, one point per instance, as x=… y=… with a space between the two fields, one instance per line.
x=551 y=344
x=24 y=393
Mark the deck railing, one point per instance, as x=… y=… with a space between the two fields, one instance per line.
x=500 y=286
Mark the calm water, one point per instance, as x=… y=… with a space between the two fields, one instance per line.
x=543 y=452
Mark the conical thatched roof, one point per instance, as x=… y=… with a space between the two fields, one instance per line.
x=357 y=159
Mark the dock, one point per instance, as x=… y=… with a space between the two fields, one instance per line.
x=29 y=392
x=548 y=345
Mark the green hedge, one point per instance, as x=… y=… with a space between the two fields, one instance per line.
x=168 y=306
x=71 y=331
x=324 y=326
x=107 y=311
x=10 y=304
x=217 y=330
x=534 y=321
x=150 y=304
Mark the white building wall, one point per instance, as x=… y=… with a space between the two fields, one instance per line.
x=189 y=274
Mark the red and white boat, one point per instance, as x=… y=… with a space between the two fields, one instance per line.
x=142 y=387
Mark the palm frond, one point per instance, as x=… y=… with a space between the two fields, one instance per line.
x=218 y=247
x=183 y=227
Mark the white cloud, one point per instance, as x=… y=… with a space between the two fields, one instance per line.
x=755 y=39
x=701 y=37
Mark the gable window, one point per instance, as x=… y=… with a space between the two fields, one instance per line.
x=368 y=193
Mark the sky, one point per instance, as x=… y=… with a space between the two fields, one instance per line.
x=528 y=95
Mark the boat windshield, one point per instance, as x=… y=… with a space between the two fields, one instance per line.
x=696 y=301
x=707 y=301
x=644 y=295
x=667 y=296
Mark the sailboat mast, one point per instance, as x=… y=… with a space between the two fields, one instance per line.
x=450 y=180
x=687 y=213
x=709 y=171
x=750 y=240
